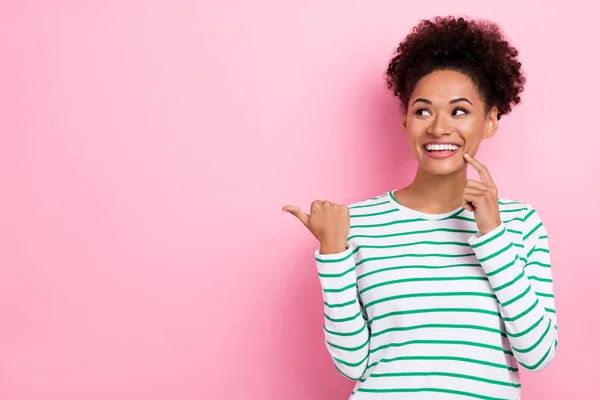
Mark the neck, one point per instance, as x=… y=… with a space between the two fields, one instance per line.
x=439 y=193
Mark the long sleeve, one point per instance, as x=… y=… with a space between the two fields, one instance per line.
x=345 y=328
x=520 y=275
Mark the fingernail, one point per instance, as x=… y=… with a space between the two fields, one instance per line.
x=466 y=155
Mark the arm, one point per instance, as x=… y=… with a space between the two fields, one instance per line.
x=523 y=287
x=346 y=331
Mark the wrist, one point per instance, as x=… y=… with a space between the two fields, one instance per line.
x=332 y=248
x=487 y=230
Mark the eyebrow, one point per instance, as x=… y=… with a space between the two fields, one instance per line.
x=459 y=100
x=450 y=102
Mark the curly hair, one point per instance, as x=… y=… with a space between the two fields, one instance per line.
x=476 y=48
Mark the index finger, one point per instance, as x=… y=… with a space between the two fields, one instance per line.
x=483 y=171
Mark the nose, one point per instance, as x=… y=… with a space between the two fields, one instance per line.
x=440 y=126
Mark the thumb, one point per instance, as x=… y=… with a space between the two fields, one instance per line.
x=468 y=205
x=298 y=213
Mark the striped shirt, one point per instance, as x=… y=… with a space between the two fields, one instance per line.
x=422 y=306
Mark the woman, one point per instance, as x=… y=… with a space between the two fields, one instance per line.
x=439 y=290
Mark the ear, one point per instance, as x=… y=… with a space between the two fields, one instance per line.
x=491 y=123
x=404 y=128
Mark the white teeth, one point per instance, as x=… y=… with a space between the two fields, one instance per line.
x=432 y=147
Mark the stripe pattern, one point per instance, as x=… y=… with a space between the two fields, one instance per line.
x=424 y=307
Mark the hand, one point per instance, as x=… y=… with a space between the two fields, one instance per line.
x=482 y=198
x=328 y=222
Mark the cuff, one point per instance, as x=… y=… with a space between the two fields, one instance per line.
x=494 y=250
x=335 y=263
x=478 y=239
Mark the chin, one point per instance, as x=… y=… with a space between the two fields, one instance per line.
x=441 y=168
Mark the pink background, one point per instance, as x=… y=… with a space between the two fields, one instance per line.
x=146 y=148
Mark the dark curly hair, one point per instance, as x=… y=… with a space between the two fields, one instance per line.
x=476 y=48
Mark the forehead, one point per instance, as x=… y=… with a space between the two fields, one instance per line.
x=443 y=86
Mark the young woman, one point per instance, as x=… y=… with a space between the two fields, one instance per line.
x=439 y=290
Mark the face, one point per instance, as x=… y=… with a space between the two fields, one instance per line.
x=446 y=118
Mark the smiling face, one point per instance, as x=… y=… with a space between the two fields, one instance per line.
x=445 y=118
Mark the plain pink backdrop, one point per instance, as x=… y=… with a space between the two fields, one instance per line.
x=147 y=147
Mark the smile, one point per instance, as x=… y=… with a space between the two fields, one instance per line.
x=441 y=150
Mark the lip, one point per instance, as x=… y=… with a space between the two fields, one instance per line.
x=441 y=154
x=440 y=142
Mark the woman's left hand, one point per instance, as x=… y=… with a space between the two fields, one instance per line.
x=482 y=198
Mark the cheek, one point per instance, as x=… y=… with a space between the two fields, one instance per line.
x=472 y=135
x=412 y=136
x=467 y=125
x=469 y=130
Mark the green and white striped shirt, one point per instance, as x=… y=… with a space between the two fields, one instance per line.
x=421 y=306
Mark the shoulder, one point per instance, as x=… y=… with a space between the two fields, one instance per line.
x=515 y=208
x=377 y=203
x=521 y=216
x=512 y=208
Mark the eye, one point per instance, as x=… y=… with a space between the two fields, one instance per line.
x=420 y=112
x=461 y=110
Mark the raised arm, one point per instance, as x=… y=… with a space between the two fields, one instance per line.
x=523 y=286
